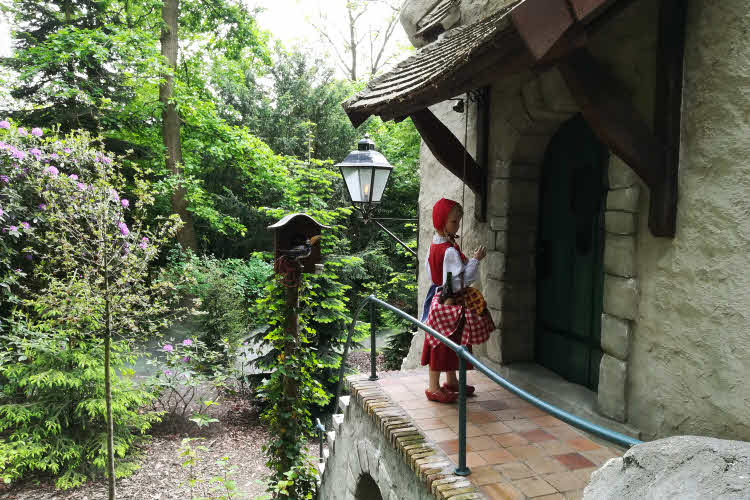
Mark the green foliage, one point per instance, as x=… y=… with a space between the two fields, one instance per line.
x=225 y=290
x=187 y=381
x=86 y=265
x=325 y=310
x=222 y=486
x=52 y=408
x=396 y=349
x=304 y=99
x=290 y=392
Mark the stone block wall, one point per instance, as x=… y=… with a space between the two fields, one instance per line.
x=621 y=293
x=526 y=113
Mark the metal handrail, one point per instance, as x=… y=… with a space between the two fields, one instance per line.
x=465 y=356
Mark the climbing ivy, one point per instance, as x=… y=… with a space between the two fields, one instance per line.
x=290 y=392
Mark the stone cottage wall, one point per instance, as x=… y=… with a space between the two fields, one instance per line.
x=676 y=311
x=690 y=346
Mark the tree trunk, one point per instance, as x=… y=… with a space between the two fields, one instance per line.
x=108 y=398
x=353 y=43
x=171 y=121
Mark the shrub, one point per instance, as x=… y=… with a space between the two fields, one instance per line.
x=226 y=289
x=396 y=349
x=52 y=408
x=80 y=292
x=187 y=382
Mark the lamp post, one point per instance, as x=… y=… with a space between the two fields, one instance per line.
x=365 y=173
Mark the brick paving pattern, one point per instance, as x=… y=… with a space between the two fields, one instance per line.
x=514 y=450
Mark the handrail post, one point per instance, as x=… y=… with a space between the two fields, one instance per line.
x=462 y=469
x=373 y=351
x=321 y=430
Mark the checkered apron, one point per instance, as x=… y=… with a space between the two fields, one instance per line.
x=444 y=319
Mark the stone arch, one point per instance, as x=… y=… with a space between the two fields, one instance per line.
x=367 y=489
x=523 y=121
x=367 y=470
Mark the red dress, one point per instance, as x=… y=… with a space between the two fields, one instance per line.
x=441 y=358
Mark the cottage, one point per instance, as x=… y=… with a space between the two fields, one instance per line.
x=603 y=157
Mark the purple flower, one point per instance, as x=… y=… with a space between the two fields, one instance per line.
x=13 y=228
x=51 y=171
x=125 y=203
x=1 y=212
x=5 y=124
x=54 y=156
x=81 y=186
x=187 y=342
x=106 y=160
x=42 y=206
x=144 y=243
x=186 y=359
x=17 y=153
x=168 y=373
x=168 y=347
x=245 y=342
x=36 y=152
x=123 y=229
x=29 y=257
x=5 y=179
x=26 y=225
x=36 y=131
x=19 y=271
x=115 y=195
x=126 y=248
x=22 y=132
x=73 y=177
x=67 y=150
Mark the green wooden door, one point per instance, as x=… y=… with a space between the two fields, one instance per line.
x=570 y=252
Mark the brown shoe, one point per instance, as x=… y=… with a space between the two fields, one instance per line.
x=452 y=388
x=440 y=396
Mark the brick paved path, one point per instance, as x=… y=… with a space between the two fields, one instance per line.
x=514 y=450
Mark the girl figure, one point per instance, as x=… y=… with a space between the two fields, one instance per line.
x=445 y=256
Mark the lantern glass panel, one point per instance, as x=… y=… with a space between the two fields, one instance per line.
x=365 y=182
x=381 y=179
x=351 y=177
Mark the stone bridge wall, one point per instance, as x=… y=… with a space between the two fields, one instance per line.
x=378 y=453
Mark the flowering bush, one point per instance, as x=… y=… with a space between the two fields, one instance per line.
x=183 y=386
x=74 y=268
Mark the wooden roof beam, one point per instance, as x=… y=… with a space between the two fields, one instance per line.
x=448 y=150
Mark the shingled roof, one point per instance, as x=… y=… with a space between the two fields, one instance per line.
x=433 y=19
x=430 y=66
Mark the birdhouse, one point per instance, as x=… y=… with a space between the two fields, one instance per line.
x=297 y=237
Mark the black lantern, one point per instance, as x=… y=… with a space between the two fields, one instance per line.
x=365 y=173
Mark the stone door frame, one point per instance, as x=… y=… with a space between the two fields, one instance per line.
x=523 y=121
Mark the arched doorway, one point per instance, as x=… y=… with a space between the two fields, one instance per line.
x=367 y=489
x=570 y=252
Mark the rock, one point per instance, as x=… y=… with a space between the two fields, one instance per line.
x=682 y=467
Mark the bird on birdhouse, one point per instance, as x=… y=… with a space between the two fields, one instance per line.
x=302 y=247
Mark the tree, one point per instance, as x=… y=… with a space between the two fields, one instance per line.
x=171 y=121
x=370 y=26
x=303 y=98
x=71 y=58
x=93 y=290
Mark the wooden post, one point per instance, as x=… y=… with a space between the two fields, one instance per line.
x=292 y=330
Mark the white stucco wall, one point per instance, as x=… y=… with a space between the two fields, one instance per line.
x=691 y=345
x=437 y=182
